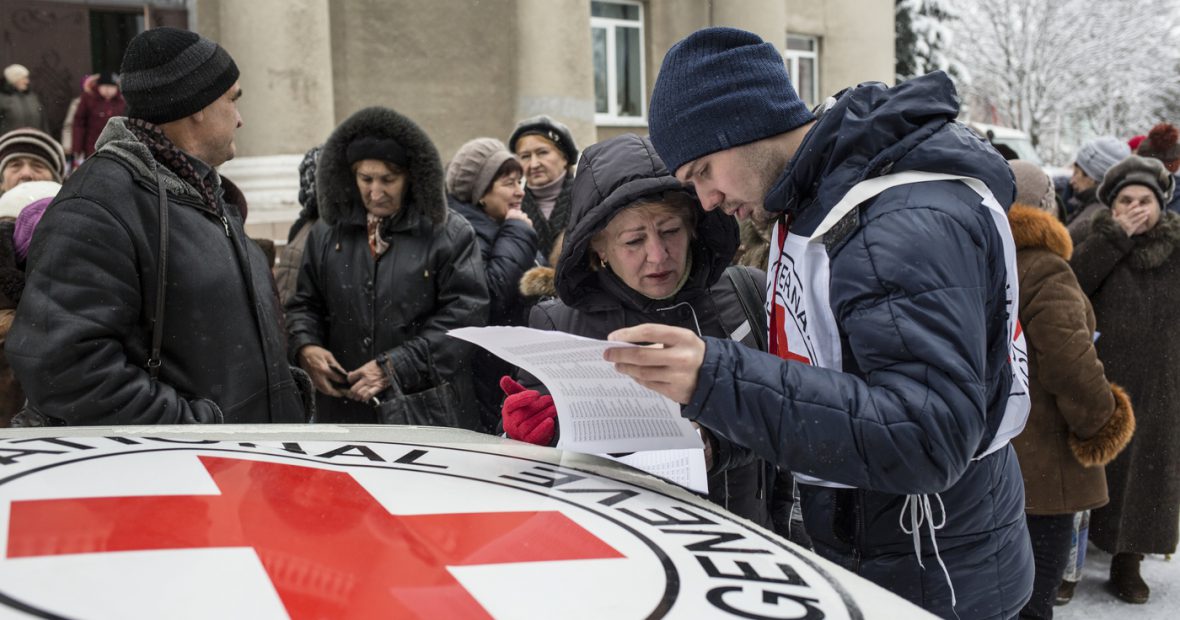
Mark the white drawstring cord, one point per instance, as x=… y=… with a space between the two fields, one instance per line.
x=690 y=309
x=921 y=511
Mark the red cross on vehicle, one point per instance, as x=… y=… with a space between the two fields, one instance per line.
x=330 y=549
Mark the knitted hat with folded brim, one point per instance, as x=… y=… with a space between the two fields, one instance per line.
x=12 y=73
x=36 y=144
x=1098 y=155
x=717 y=89
x=1033 y=186
x=1135 y=170
x=168 y=74
x=472 y=170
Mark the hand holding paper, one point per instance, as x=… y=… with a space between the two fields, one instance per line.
x=599 y=409
x=671 y=369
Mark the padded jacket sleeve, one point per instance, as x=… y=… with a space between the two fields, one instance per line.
x=306 y=310
x=1055 y=327
x=510 y=255
x=462 y=301
x=910 y=291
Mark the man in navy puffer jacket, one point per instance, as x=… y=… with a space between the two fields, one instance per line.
x=890 y=395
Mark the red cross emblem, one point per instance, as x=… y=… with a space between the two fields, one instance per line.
x=330 y=549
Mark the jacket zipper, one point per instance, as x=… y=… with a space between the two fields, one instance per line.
x=858 y=532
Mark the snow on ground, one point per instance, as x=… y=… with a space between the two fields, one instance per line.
x=1092 y=601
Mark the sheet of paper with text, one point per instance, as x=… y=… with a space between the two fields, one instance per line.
x=598 y=408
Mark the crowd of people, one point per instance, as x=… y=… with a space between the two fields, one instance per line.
x=930 y=365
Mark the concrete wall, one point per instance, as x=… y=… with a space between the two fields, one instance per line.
x=287 y=101
x=449 y=64
x=856 y=39
x=554 y=73
x=766 y=18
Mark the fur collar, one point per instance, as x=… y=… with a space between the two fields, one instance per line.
x=538 y=282
x=1149 y=250
x=117 y=141
x=1034 y=228
x=336 y=191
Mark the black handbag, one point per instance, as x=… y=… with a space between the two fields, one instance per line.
x=434 y=406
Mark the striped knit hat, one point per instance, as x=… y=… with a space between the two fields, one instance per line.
x=36 y=144
x=169 y=74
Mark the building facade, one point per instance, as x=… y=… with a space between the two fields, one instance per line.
x=470 y=68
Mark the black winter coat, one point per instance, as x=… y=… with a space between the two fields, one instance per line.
x=82 y=333
x=12 y=283
x=431 y=279
x=508 y=250
x=917 y=291
x=595 y=303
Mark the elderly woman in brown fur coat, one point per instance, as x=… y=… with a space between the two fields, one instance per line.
x=1079 y=421
x=1129 y=265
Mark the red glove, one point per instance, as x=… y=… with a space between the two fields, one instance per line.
x=528 y=416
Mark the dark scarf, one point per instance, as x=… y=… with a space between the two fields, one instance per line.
x=1078 y=203
x=171 y=157
x=549 y=228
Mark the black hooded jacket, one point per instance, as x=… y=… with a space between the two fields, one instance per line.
x=402 y=303
x=593 y=303
x=508 y=250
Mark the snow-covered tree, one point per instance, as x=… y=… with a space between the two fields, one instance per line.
x=1064 y=70
x=922 y=36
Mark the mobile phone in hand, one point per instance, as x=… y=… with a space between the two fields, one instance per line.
x=339 y=380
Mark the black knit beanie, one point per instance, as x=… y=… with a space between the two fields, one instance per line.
x=717 y=89
x=169 y=74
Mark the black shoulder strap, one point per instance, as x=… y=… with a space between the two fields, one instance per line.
x=750 y=299
x=153 y=363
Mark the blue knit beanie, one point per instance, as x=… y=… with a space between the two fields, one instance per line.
x=717 y=89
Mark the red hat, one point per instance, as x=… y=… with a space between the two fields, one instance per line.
x=1134 y=142
x=1162 y=143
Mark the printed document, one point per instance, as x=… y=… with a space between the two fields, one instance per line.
x=598 y=408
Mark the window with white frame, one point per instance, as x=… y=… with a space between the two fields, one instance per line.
x=802 y=58
x=616 y=30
